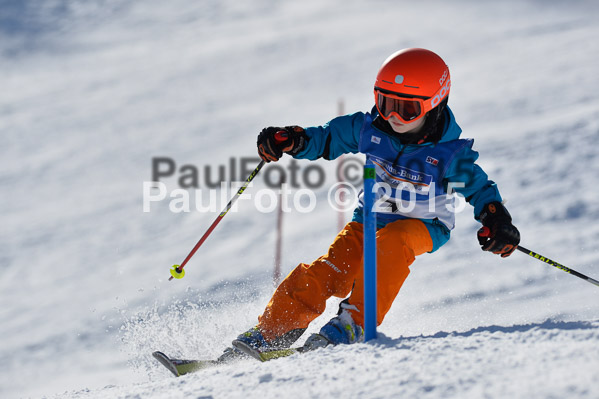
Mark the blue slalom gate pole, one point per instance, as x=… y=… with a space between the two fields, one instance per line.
x=370 y=316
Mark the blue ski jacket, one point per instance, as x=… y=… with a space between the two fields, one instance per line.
x=449 y=163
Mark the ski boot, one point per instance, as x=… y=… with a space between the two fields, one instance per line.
x=341 y=329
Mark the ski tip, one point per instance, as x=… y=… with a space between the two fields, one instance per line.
x=166 y=362
x=159 y=355
x=248 y=350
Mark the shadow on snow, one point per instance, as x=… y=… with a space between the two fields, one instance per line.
x=546 y=325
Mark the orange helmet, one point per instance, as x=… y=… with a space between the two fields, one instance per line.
x=410 y=83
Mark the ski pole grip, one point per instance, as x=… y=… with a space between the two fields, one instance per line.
x=484 y=232
x=281 y=136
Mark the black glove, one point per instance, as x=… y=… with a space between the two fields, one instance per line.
x=498 y=235
x=274 y=141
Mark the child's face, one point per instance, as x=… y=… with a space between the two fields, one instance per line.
x=400 y=127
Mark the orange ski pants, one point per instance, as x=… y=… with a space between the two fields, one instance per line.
x=302 y=295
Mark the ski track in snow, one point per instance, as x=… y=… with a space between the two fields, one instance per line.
x=92 y=90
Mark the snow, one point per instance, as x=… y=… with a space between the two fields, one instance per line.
x=491 y=361
x=93 y=90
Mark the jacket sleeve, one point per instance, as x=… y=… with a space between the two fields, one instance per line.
x=338 y=136
x=469 y=180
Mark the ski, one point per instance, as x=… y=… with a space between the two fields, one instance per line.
x=278 y=353
x=181 y=367
x=271 y=354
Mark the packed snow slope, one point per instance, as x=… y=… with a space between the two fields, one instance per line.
x=92 y=91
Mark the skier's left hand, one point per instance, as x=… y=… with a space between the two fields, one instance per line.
x=498 y=235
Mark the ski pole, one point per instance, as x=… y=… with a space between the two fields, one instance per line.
x=558 y=265
x=177 y=270
x=484 y=232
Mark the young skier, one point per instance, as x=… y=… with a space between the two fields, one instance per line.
x=413 y=140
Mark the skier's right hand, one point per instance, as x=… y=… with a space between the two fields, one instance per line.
x=274 y=141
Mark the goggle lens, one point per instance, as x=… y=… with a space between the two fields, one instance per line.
x=405 y=108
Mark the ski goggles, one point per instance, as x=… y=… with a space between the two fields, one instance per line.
x=406 y=108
